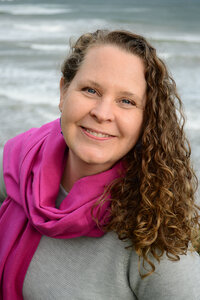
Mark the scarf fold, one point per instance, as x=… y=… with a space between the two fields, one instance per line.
x=33 y=165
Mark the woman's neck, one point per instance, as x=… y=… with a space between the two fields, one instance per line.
x=76 y=169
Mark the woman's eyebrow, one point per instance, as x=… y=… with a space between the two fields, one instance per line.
x=128 y=94
x=90 y=82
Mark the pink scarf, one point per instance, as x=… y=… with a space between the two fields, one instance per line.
x=33 y=166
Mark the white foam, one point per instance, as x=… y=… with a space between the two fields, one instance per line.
x=184 y=55
x=178 y=37
x=35 y=9
x=48 y=47
x=192 y=118
x=31 y=85
x=33 y=30
x=165 y=55
x=40 y=27
x=48 y=115
x=66 y=26
x=31 y=95
x=192 y=125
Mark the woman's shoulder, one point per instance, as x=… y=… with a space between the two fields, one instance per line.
x=32 y=135
x=17 y=147
x=171 y=280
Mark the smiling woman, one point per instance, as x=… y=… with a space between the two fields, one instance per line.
x=99 y=124
x=105 y=187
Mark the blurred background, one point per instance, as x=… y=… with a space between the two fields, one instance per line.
x=34 y=37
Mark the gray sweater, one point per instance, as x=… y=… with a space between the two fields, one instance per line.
x=102 y=269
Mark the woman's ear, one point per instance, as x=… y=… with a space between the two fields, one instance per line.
x=61 y=94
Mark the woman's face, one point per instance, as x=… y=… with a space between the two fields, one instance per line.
x=102 y=109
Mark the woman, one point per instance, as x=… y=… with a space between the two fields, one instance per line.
x=104 y=188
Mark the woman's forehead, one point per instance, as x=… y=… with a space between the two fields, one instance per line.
x=112 y=67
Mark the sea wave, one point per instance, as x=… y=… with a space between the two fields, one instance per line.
x=189 y=55
x=49 y=47
x=31 y=96
x=40 y=30
x=40 y=27
x=33 y=9
x=64 y=27
x=192 y=124
x=185 y=38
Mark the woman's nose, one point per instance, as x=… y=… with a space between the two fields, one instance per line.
x=103 y=111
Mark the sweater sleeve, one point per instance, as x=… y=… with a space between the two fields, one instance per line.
x=178 y=280
x=3 y=193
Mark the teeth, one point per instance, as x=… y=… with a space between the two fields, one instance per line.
x=98 y=134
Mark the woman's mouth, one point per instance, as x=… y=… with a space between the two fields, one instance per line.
x=96 y=134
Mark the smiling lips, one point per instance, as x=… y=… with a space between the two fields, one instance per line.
x=96 y=134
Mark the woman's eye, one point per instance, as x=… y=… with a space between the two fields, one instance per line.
x=90 y=90
x=128 y=102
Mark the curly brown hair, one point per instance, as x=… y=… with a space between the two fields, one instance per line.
x=153 y=205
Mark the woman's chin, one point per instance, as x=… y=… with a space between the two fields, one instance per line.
x=97 y=161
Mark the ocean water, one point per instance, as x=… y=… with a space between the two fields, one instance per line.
x=34 y=38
